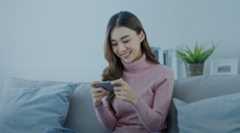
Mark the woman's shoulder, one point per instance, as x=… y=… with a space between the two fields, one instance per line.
x=163 y=71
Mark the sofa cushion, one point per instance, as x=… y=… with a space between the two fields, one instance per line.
x=82 y=117
x=200 y=87
x=33 y=106
x=212 y=115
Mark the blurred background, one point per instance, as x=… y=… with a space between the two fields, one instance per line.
x=63 y=39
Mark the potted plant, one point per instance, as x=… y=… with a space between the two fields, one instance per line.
x=195 y=58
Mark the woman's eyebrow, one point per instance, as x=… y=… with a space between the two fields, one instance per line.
x=123 y=37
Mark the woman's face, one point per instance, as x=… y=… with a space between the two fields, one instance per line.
x=126 y=43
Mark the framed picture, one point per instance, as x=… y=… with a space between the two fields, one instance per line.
x=158 y=54
x=224 y=67
x=170 y=59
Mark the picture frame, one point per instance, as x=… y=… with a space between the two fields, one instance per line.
x=170 y=60
x=157 y=51
x=224 y=67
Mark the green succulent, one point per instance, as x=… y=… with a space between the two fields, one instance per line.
x=197 y=55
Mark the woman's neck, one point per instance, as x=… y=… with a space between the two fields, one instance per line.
x=138 y=65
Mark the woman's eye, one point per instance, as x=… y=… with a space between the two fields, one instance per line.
x=114 y=44
x=126 y=41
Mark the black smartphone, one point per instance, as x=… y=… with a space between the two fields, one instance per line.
x=105 y=85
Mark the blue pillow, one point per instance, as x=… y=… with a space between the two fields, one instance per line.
x=60 y=130
x=34 y=107
x=212 y=115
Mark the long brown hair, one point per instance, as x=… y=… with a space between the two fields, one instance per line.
x=115 y=68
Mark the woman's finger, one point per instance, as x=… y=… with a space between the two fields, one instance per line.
x=117 y=93
x=99 y=92
x=121 y=93
x=117 y=89
x=95 y=91
x=118 y=82
x=98 y=95
x=94 y=82
x=98 y=89
x=121 y=97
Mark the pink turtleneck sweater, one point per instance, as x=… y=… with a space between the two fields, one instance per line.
x=153 y=84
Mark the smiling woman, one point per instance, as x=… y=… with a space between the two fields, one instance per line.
x=126 y=44
x=125 y=34
x=142 y=89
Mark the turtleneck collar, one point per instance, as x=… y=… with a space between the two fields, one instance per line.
x=136 y=66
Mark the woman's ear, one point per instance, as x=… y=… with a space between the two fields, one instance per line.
x=141 y=36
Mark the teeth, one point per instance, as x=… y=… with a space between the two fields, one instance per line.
x=125 y=56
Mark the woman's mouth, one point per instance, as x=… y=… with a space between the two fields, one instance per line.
x=125 y=56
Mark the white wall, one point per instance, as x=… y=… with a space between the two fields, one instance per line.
x=63 y=39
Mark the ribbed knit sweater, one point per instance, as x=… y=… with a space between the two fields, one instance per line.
x=153 y=85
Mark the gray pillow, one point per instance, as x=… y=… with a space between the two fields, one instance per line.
x=213 y=115
x=33 y=106
x=82 y=117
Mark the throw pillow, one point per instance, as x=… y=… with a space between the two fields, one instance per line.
x=35 y=106
x=82 y=117
x=212 y=115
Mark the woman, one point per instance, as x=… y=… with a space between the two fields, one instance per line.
x=142 y=87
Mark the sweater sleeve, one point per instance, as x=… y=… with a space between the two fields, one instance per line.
x=153 y=118
x=105 y=115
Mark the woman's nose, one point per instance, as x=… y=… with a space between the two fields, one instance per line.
x=121 y=48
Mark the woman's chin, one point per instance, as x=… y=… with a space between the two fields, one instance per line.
x=127 y=61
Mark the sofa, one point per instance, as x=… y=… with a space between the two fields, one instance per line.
x=81 y=117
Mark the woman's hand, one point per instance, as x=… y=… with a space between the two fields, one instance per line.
x=123 y=91
x=97 y=94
